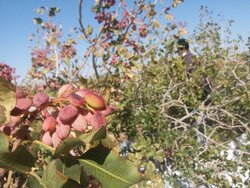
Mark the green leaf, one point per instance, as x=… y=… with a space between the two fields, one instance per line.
x=33 y=182
x=7 y=100
x=83 y=81
x=37 y=20
x=169 y=17
x=40 y=145
x=66 y=145
x=40 y=10
x=89 y=30
x=21 y=160
x=66 y=60
x=53 y=177
x=110 y=142
x=150 y=169
x=53 y=11
x=72 y=169
x=156 y=24
x=4 y=143
x=93 y=136
x=68 y=167
x=121 y=50
x=109 y=169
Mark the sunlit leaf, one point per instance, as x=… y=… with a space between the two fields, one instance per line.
x=109 y=169
x=93 y=136
x=72 y=169
x=169 y=17
x=53 y=177
x=182 y=31
x=156 y=24
x=176 y=3
x=7 y=100
x=40 y=10
x=36 y=145
x=66 y=145
x=4 y=143
x=89 y=30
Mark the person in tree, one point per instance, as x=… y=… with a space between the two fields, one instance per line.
x=190 y=64
x=183 y=51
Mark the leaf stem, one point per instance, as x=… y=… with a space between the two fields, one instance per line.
x=9 y=178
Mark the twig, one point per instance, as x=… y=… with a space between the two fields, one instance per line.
x=57 y=60
x=94 y=66
x=219 y=144
x=80 y=21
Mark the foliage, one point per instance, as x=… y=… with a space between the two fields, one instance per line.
x=202 y=135
x=49 y=165
x=7 y=100
x=7 y=72
x=60 y=127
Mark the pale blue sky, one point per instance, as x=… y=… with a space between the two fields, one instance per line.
x=16 y=22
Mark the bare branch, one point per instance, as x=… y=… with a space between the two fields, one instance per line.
x=82 y=29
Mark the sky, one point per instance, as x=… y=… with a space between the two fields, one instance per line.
x=16 y=22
